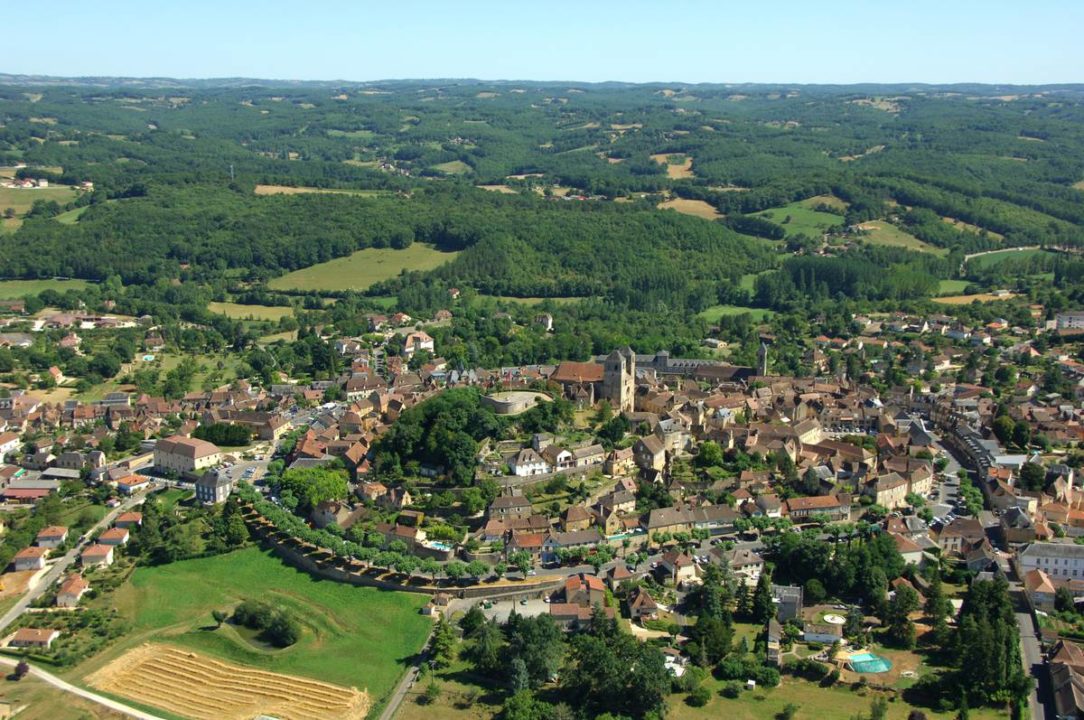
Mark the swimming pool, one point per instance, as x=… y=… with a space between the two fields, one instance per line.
x=437 y=545
x=867 y=662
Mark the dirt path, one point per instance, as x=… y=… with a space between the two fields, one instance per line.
x=85 y=694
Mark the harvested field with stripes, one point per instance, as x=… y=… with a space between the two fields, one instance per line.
x=200 y=687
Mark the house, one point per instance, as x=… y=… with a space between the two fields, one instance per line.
x=619 y=462
x=825 y=633
x=555 y=541
x=774 y=641
x=679 y=567
x=33 y=638
x=616 y=575
x=836 y=507
x=415 y=341
x=650 y=453
x=129 y=519
x=213 y=487
x=576 y=518
x=888 y=490
x=909 y=550
x=114 y=536
x=961 y=535
x=745 y=563
x=437 y=605
x=9 y=446
x=31 y=558
x=97 y=554
x=1016 y=526
x=71 y=591
x=51 y=537
x=1040 y=590
x=641 y=605
x=510 y=507
x=184 y=455
x=528 y=462
x=570 y=616
x=131 y=484
x=583 y=589
x=788 y=601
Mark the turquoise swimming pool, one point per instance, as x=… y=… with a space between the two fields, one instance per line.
x=867 y=662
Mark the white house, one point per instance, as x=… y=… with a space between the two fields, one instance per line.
x=182 y=455
x=528 y=462
x=9 y=445
x=1059 y=561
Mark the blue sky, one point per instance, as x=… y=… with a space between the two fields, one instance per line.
x=794 y=41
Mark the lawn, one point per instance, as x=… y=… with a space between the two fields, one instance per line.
x=354 y=637
x=363 y=268
x=879 y=232
x=713 y=313
x=952 y=287
x=996 y=258
x=19 y=288
x=255 y=312
x=803 y=220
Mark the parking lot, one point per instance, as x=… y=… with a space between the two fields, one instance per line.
x=502 y=609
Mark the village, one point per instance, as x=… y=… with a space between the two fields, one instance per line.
x=664 y=471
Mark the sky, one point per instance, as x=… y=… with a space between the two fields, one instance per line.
x=725 y=41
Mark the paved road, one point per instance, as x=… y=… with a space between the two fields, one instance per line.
x=60 y=566
x=407 y=682
x=1032 y=656
x=85 y=694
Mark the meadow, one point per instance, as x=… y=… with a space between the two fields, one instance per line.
x=996 y=258
x=353 y=637
x=255 y=312
x=951 y=287
x=803 y=219
x=713 y=313
x=20 y=200
x=303 y=190
x=10 y=289
x=696 y=208
x=363 y=268
x=879 y=232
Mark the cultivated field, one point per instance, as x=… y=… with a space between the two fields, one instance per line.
x=10 y=289
x=696 y=208
x=803 y=219
x=203 y=688
x=879 y=232
x=968 y=299
x=302 y=190
x=678 y=166
x=20 y=200
x=255 y=312
x=351 y=636
x=363 y=268
x=500 y=188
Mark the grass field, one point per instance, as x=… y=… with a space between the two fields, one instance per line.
x=1079 y=185
x=713 y=313
x=243 y=312
x=996 y=258
x=354 y=637
x=803 y=220
x=455 y=167
x=71 y=216
x=952 y=287
x=302 y=190
x=44 y=702
x=696 y=208
x=18 y=288
x=879 y=232
x=968 y=227
x=363 y=268
x=20 y=200
x=533 y=300
x=829 y=200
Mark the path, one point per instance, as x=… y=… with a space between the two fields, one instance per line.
x=407 y=682
x=85 y=694
x=61 y=566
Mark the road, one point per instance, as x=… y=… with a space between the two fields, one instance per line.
x=60 y=566
x=1032 y=656
x=85 y=694
x=407 y=682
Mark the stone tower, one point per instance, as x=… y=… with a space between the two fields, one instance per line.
x=619 y=379
x=762 y=359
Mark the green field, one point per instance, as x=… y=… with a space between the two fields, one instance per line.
x=354 y=637
x=803 y=220
x=533 y=300
x=952 y=287
x=879 y=232
x=713 y=313
x=455 y=167
x=18 y=288
x=20 y=200
x=996 y=258
x=244 y=312
x=71 y=216
x=363 y=268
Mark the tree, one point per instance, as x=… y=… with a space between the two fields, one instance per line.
x=521 y=560
x=455 y=570
x=430 y=567
x=477 y=569
x=22 y=669
x=814 y=592
x=790 y=711
x=900 y=628
x=710 y=455
x=1063 y=599
x=312 y=486
x=763 y=609
x=1033 y=476
x=219 y=617
x=442 y=646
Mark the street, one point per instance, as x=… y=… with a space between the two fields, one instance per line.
x=1032 y=656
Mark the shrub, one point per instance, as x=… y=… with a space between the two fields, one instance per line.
x=731 y=690
x=699 y=697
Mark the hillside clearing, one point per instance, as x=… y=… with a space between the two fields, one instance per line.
x=455 y=167
x=678 y=166
x=237 y=311
x=951 y=287
x=10 y=289
x=303 y=190
x=713 y=313
x=696 y=208
x=968 y=299
x=363 y=268
x=829 y=200
x=21 y=199
x=996 y=258
x=968 y=227
x=879 y=232
x=803 y=220
x=1079 y=185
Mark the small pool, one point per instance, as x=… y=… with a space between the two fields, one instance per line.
x=869 y=663
x=148 y=358
x=436 y=545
